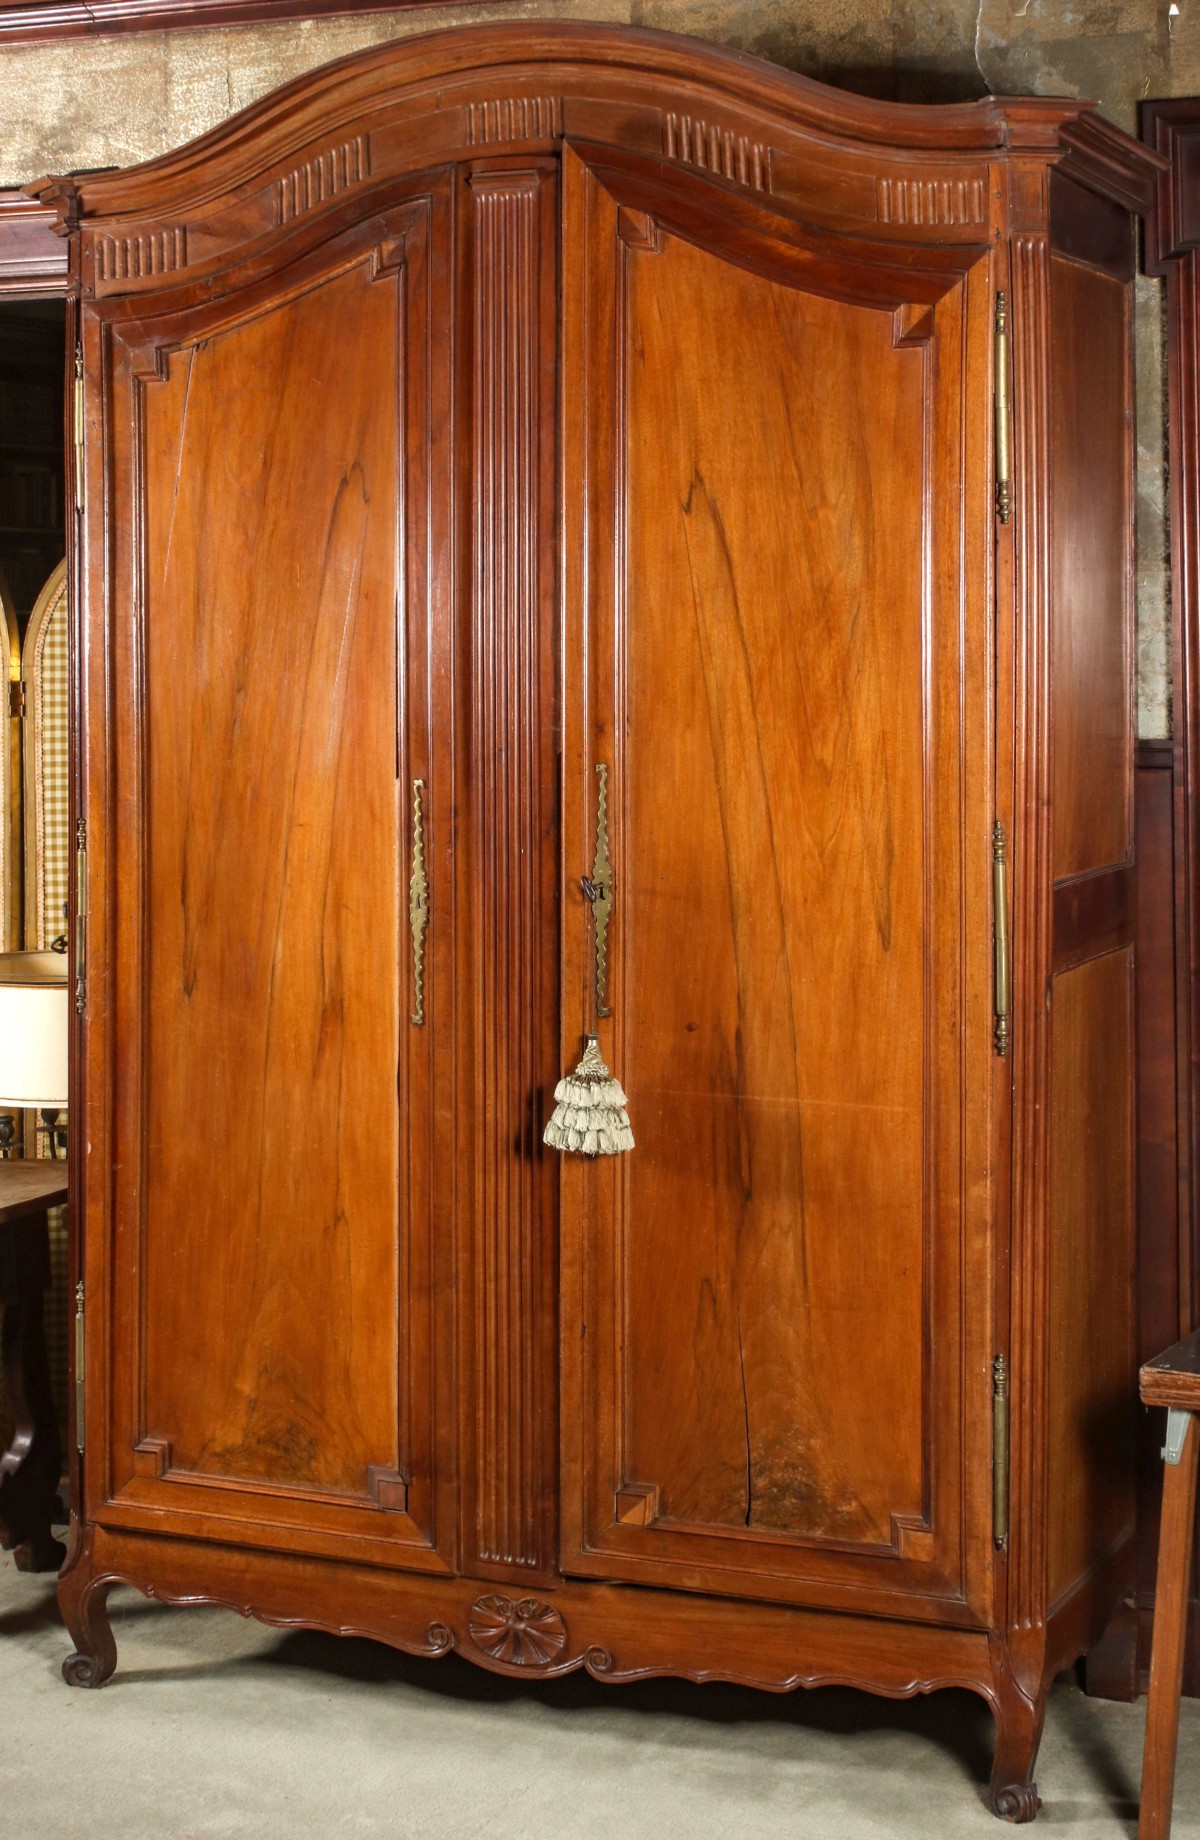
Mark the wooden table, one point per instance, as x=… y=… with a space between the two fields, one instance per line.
x=1171 y=1380
x=31 y=1467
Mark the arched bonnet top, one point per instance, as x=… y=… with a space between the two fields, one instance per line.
x=918 y=173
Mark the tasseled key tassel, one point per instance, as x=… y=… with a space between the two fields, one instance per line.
x=589 y=1114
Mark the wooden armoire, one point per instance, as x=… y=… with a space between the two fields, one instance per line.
x=583 y=532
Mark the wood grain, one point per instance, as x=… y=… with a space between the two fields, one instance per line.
x=1160 y=1274
x=512 y=1329
x=736 y=1364
x=1092 y=584
x=272 y=718
x=788 y=865
x=1093 y=914
x=336 y=541
x=33 y=257
x=29 y=1187
x=1091 y=1365
x=1170 y=1624
x=1172 y=240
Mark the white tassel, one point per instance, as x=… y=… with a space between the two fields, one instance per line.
x=589 y=1116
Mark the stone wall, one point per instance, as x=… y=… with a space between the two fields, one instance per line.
x=112 y=101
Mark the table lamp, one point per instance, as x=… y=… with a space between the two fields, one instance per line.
x=33 y=1035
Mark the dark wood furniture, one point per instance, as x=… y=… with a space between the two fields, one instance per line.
x=1171 y=1380
x=31 y=1467
x=609 y=436
x=32 y=460
x=1172 y=129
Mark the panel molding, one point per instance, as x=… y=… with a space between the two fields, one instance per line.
x=511 y=243
x=613 y=1526
x=139 y=357
x=1030 y=563
x=34 y=256
x=911 y=178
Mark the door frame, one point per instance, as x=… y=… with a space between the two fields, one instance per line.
x=36 y=263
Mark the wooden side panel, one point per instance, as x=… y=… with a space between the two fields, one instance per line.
x=511 y=1333
x=1092 y=1371
x=774 y=680
x=281 y=1164
x=1162 y=1312
x=1091 y=557
x=1090 y=1377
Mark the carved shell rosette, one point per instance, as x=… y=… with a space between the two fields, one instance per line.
x=523 y=1632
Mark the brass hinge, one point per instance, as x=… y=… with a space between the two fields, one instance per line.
x=81 y=916
x=1000 y=1451
x=80 y=1391
x=78 y=427
x=1003 y=438
x=1000 y=966
x=16 y=698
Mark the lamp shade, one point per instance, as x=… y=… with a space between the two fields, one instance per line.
x=33 y=1029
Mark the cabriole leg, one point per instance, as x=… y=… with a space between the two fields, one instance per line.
x=83 y=1601
x=1013 y=1793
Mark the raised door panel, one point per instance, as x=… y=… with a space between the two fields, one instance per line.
x=766 y=1339
x=278 y=644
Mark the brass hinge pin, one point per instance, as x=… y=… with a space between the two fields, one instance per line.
x=81 y=916
x=1000 y=1451
x=1003 y=436
x=1000 y=965
x=80 y=1388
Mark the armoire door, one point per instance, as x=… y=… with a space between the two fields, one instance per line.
x=271 y=893
x=776 y=1308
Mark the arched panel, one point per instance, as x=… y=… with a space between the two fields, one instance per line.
x=276 y=469
x=47 y=789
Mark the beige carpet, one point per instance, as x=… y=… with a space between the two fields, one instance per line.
x=218 y=1729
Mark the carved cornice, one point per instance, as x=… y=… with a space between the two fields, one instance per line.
x=1100 y=157
x=440 y=92
x=34 y=258
x=1172 y=130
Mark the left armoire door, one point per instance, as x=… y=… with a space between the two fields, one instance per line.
x=266 y=569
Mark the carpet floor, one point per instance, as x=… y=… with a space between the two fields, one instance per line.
x=218 y=1729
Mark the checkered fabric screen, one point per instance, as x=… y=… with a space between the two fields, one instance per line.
x=48 y=868
x=46 y=687
x=8 y=669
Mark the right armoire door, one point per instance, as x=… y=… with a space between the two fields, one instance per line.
x=777 y=523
